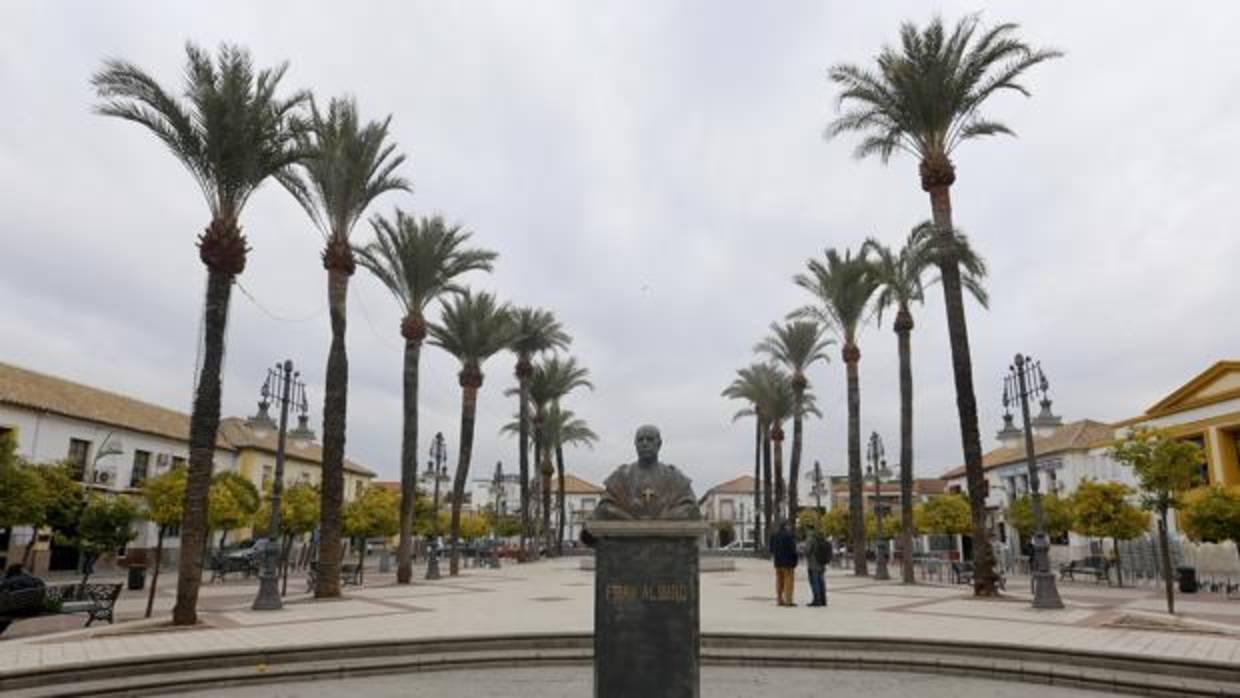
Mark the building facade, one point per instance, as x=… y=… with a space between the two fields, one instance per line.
x=728 y=507
x=1205 y=410
x=116 y=442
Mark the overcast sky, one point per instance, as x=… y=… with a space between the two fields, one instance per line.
x=655 y=174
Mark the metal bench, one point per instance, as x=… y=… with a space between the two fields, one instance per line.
x=1095 y=566
x=349 y=574
x=97 y=601
x=222 y=565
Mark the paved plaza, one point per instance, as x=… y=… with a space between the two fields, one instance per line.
x=556 y=597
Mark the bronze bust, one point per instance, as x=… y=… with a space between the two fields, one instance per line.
x=647 y=489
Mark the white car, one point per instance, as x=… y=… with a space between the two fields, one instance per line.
x=738 y=545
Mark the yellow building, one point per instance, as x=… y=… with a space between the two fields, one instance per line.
x=1205 y=410
x=303 y=461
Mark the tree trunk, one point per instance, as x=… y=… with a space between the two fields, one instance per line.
x=984 y=577
x=757 y=482
x=904 y=329
x=408 y=462
x=547 y=470
x=777 y=446
x=1165 y=554
x=469 y=407
x=856 y=503
x=767 y=500
x=29 y=551
x=1119 y=569
x=794 y=464
x=204 y=424
x=523 y=458
x=361 y=558
x=159 y=558
x=335 y=403
x=559 y=467
x=286 y=548
x=223 y=538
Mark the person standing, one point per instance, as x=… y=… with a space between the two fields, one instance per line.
x=818 y=555
x=784 y=551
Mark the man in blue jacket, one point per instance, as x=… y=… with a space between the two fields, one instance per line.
x=784 y=551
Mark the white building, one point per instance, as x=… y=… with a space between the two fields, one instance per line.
x=116 y=442
x=728 y=507
x=1205 y=410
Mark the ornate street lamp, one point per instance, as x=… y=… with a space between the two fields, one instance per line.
x=877 y=470
x=436 y=469
x=286 y=387
x=817 y=479
x=1025 y=379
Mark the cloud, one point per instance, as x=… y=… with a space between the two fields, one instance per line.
x=655 y=174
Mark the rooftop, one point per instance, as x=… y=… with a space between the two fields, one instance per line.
x=1080 y=435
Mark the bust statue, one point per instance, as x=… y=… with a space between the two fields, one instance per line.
x=647 y=489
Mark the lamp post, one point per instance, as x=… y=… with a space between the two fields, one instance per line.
x=878 y=470
x=497 y=484
x=285 y=386
x=436 y=468
x=816 y=478
x=1025 y=379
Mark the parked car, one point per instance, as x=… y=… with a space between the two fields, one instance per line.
x=739 y=545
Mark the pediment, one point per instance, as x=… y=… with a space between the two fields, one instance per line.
x=1217 y=383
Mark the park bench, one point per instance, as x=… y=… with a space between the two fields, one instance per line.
x=349 y=574
x=1094 y=566
x=962 y=573
x=222 y=565
x=97 y=601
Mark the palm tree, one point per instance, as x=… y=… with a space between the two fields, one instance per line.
x=843 y=287
x=418 y=260
x=925 y=100
x=796 y=345
x=349 y=166
x=473 y=328
x=232 y=132
x=900 y=277
x=552 y=379
x=534 y=331
x=563 y=428
x=746 y=386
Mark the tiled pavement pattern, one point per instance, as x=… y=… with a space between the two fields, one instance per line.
x=556 y=597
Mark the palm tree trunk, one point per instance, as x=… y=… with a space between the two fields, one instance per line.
x=757 y=482
x=203 y=425
x=547 y=471
x=767 y=500
x=408 y=462
x=335 y=402
x=1164 y=552
x=777 y=444
x=904 y=329
x=794 y=465
x=559 y=468
x=856 y=505
x=159 y=557
x=469 y=409
x=523 y=457
x=984 y=578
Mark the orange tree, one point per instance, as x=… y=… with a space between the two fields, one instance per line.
x=1102 y=510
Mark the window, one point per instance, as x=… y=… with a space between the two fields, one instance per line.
x=6 y=431
x=358 y=484
x=79 y=451
x=727 y=510
x=1204 y=473
x=178 y=462
x=141 y=463
x=587 y=504
x=268 y=474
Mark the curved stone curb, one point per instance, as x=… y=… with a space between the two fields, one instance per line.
x=1123 y=674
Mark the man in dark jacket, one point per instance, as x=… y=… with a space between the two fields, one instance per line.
x=818 y=555
x=784 y=551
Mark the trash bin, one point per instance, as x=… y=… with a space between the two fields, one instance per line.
x=137 y=577
x=385 y=561
x=1188 y=579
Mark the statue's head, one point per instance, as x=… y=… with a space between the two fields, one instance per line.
x=647 y=442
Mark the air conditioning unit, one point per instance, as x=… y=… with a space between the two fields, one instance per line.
x=163 y=460
x=103 y=477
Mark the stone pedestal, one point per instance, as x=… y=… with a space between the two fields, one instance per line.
x=646 y=608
